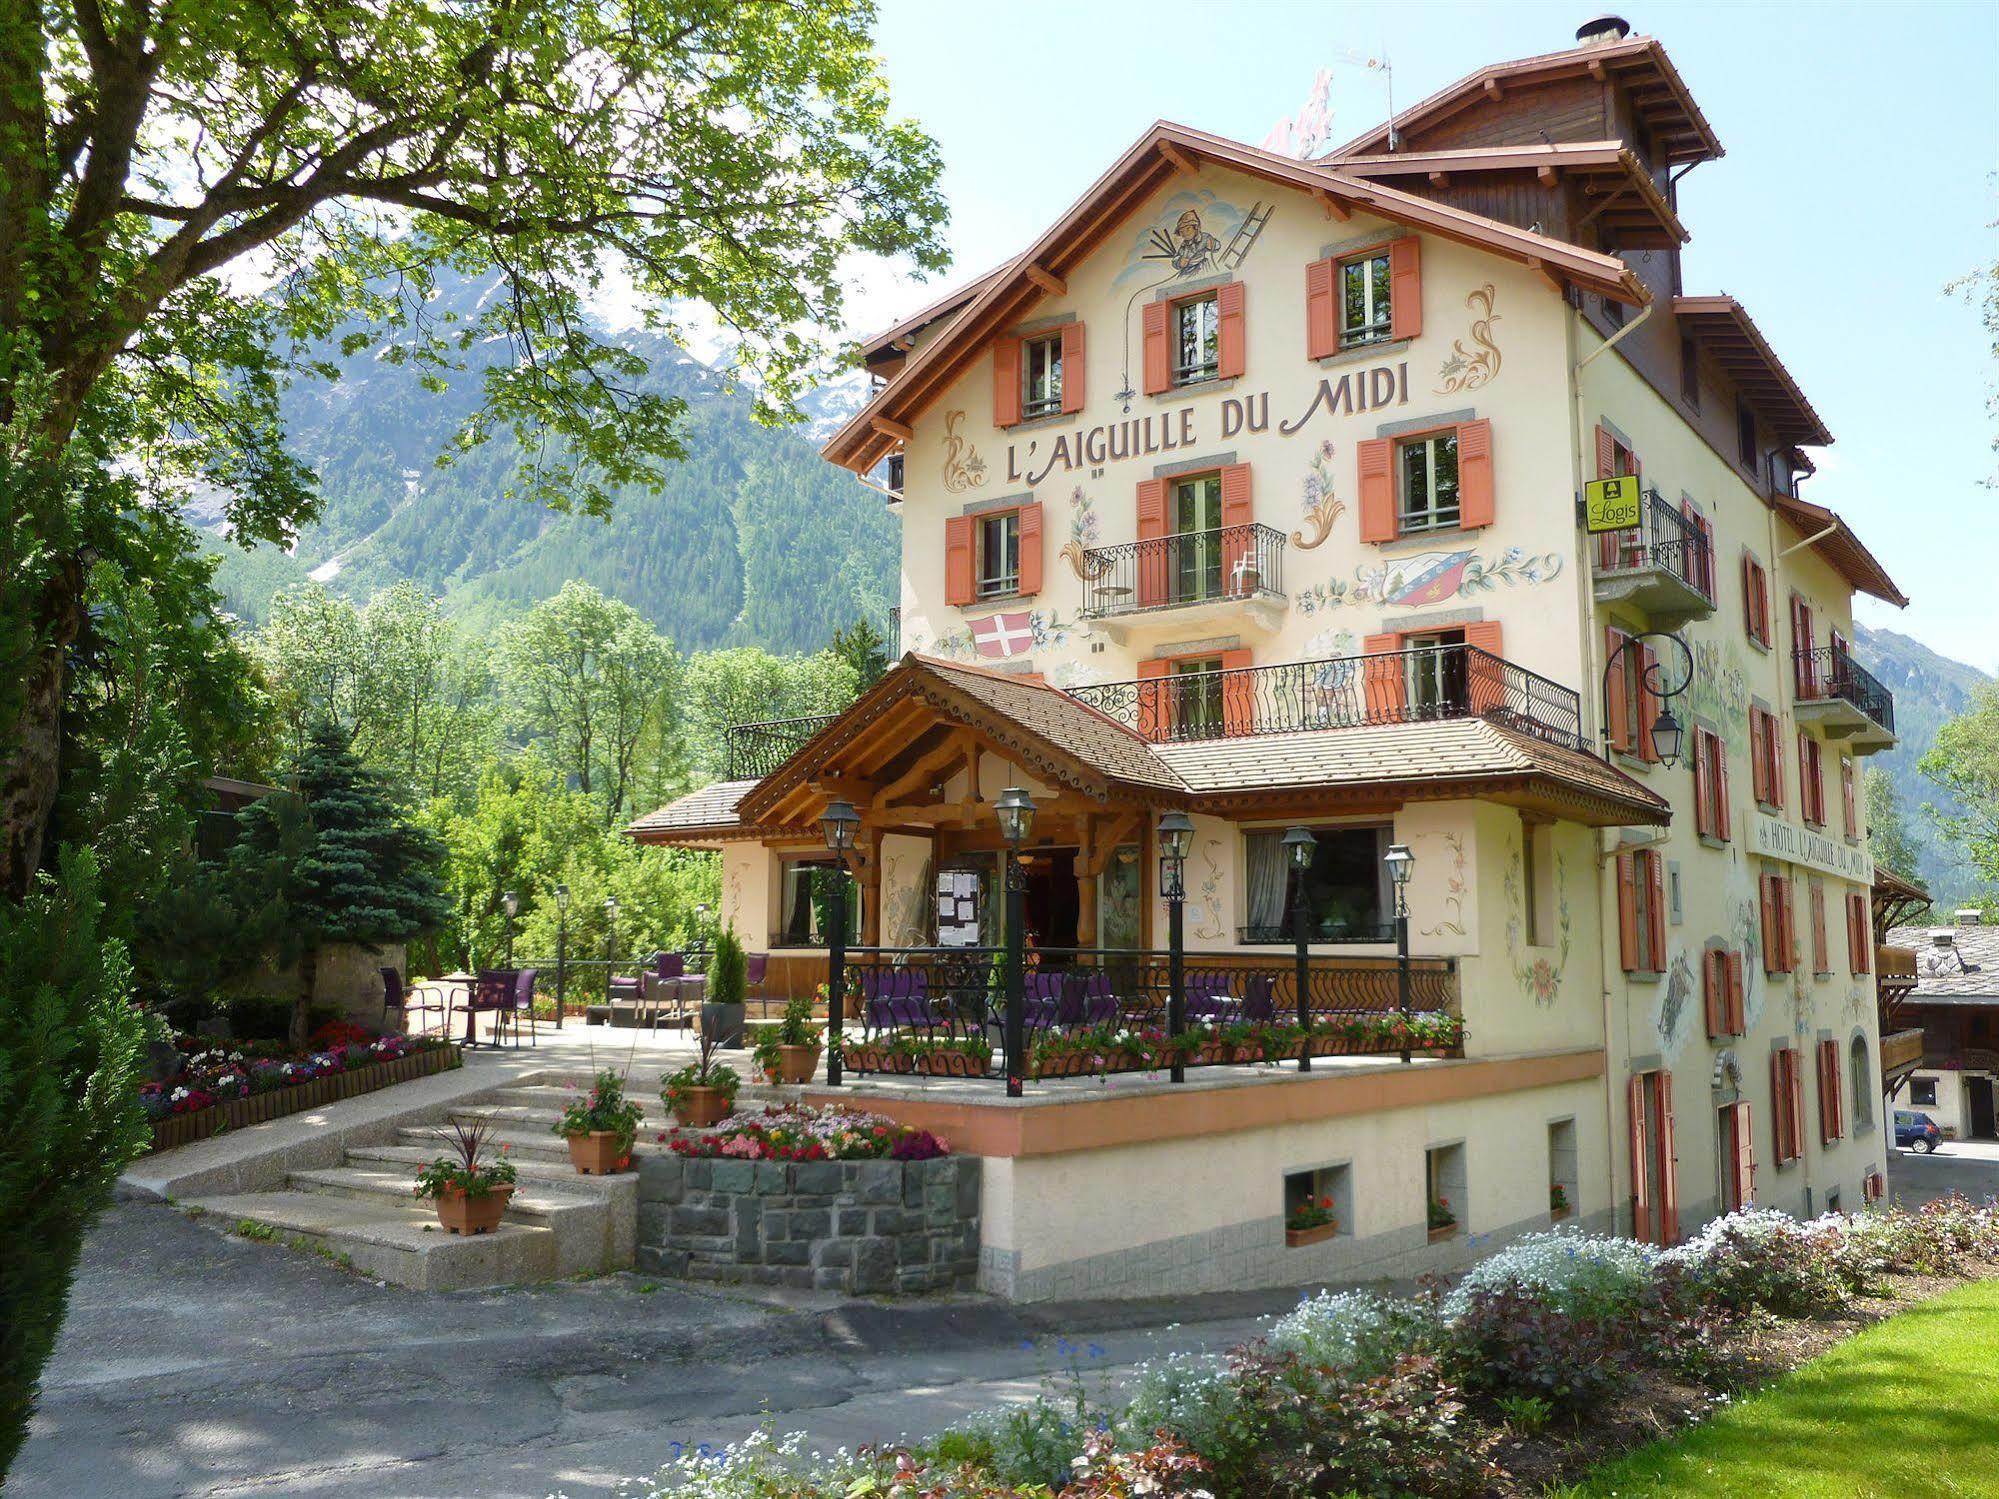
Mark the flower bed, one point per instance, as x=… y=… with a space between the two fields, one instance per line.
x=1113 y=1048
x=228 y=1087
x=796 y=1132
x=1547 y=1359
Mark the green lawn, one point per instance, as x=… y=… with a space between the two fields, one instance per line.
x=1909 y=1409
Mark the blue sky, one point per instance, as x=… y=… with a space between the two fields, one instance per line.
x=1861 y=142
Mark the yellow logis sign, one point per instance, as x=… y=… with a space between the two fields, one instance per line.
x=1610 y=504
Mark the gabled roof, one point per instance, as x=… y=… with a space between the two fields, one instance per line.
x=1659 y=98
x=1723 y=326
x=1162 y=152
x=707 y=813
x=885 y=342
x=1632 y=206
x=1965 y=971
x=1834 y=540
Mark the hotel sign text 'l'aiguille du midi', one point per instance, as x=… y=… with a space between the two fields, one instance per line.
x=1774 y=838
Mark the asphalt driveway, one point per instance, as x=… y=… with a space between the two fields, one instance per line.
x=1967 y=1166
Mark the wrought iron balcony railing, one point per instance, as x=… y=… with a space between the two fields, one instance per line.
x=1317 y=933
x=1193 y=567
x=1663 y=539
x=1413 y=686
x=752 y=751
x=1831 y=672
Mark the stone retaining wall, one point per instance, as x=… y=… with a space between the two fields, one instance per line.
x=862 y=1227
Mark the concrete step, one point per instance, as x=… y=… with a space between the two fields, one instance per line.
x=399 y=1242
x=554 y=1095
x=555 y=1171
x=523 y=1142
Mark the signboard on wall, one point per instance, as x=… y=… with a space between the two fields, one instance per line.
x=1610 y=504
x=1774 y=838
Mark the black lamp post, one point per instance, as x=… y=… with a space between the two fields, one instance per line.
x=511 y=904
x=1176 y=841
x=839 y=822
x=1301 y=845
x=1666 y=729
x=562 y=949
x=1015 y=812
x=1401 y=864
x=611 y=951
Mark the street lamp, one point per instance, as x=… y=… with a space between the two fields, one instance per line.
x=1014 y=812
x=511 y=904
x=1666 y=737
x=1176 y=840
x=838 y=822
x=561 y=949
x=611 y=951
x=1302 y=847
x=1401 y=864
x=1666 y=729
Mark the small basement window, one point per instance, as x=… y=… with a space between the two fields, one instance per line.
x=1322 y=1189
x=1444 y=1190
x=1564 y=1178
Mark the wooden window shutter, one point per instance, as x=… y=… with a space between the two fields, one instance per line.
x=1745 y=1156
x=1821 y=954
x=1606 y=453
x=1780 y=1109
x=1648 y=703
x=1736 y=1024
x=1006 y=380
x=1627 y=910
x=1238 y=516
x=1617 y=690
x=1849 y=799
x=1721 y=817
x=1795 y=1096
x=1231 y=331
x=1074 y=360
x=1153 y=325
x=1030 y=550
x=1703 y=792
x=1155 y=708
x=1749 y=571
x=1376 y=457
x=960 y=541
x=1475 y=490
x=1384 y=685
x=1641 y=1186
x=1154 y=561
x=1828 y=1081
x=1759 y=770
x=1774 y=961
x=1655 y=915
x=1669 y=1184
x=1322 y=309
x=1806 y=669
x=1485 y=675
x=1238 y=694
x=1405 y=287
x=1714 y=992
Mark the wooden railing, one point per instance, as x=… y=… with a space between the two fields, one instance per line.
x=1901 y=1049
x=1892 y=963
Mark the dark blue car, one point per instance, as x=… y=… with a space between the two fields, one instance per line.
x=1917 y=1131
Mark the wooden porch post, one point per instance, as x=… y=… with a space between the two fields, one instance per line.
x=871 y=887
x=1087 y=867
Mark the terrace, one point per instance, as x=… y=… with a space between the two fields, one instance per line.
x=1235 y=572
x=1843 y=698
x=1664 y=565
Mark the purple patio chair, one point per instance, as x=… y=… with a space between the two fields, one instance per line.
x=493 y=990
x=519 y=1006
x=756 y=967
x=424 y=999
x=1259 y=1003
x=1088 y=1000
x=1208 y=998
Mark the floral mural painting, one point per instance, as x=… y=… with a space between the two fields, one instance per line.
x=1453 y=919
x=1043 y=627
x=1083 y=537
x=1432 y=577
x=963 y=467
x=1321 y=507
x=1204 y=908
x=1468 y=369
x=1540 y=977
x=1320 y=596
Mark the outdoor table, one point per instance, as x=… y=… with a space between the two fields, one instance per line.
x=468 y=982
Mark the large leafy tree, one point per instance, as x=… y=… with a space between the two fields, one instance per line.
x=1964 y=761
x=193 y=194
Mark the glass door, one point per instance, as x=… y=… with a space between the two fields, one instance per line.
x=1197 y=518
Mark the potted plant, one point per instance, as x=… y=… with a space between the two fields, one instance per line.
x=1309 y=1222
x=722 y=1010
x=798 y=1045
x=704 y=1091
x=1443 y=1222
x=1558 y=1201
x=471 y=1194
x=953 y=1056
x=600 y=1129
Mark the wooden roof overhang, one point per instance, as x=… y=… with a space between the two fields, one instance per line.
x=1627 y=203
x=1530 y=792
x=1163 y=154
x=1660 y=99
x=1724 y=328
x=883 y=352
x=1834 y=540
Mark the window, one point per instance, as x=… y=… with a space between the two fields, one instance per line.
x=1923 y=1091
x=1832 y=1106
x=1364 y=304
x=1331 y=1186
x=1765 y=763
x=1634 y=708
x=1444 y=1189
x=1778 y=924
x=999 y=554
x=1859 y=934
x=1641 y=910
x=1745 y=436
x=1780 y=473
x=1721 y=993
x=1197 y=696
x=1613 y=312
x=1755 y=601
x=1564 y=1174
x=1041 y=367
x=1197 y=344
x=1197 y=538
x=1811 y=780
x=1711 y=815
x=1849 y=798
x=1861 y=1076
x=805 y=909
x=1735 y=1144
x=1787 y=1102
x=1537 y=872
x=1436 y=685
x=1344 y=890
x=1430 y=482
x=1821 y=957
x=1690 y=373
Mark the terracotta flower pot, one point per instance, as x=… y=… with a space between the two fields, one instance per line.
x=1438 y=1235
x=599 y=1153
x=1295 y=1237
x=1558 y=1214
x=797 y=1064
x=701 y=1107
x=472 y=1215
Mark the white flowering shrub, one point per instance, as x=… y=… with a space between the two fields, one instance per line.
x=760 y=1465
x=1357 y=1332
x=1192 y=1395
x=1573 y=1271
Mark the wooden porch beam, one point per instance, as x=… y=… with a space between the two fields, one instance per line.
x=1440 y=179
x=898 y=430
x=1547 y=273
x=1548 y=175
x=1048 y=281
x=1182 y=163
x=1332 y=207
x=954 y=747
x=1493 y=91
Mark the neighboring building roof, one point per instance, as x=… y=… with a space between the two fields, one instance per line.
x=1660 y=99
x=710 y=811
x=1834 y=540
x=1964 y=972
x=885 y=341
x=1892 y=886
x=1723 y=326
x=1161 y=153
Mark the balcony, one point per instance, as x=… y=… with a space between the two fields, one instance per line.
x=1895 y=972
x=1843 y=698
x=752 y=751
x=1414 y=686
x=1664 y=565
x=1232 y=575
x=1901 y=1054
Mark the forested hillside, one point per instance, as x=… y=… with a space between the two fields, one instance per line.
x=753 y=540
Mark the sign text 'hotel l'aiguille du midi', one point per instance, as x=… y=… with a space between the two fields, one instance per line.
x=1774 y=838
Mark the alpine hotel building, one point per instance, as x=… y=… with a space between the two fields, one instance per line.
x=1252 y=489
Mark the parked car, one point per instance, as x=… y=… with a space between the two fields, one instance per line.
x=1917 y=1131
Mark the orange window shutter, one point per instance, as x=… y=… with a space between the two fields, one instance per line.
x=1648 y=703
x=1794 y=1071
x=1155 y=709
x=1322 y=309
x=1231 y=331
x=1385 y=687
x=1734 y=1018
x=1616 y=689
x=1376 y=459
x=1641 y=1186
x=1721 y=817
x=1606 y=453
x=1030 y=550
x=1821 y=958
x=1745 y=1156
x=1075 y=354
x=1238 y=694
x=1405 y=287
x=1006 y=381
x=1772 y=959
x=1655 y=873
x=1238 y=539
x=1759 y=777
x=1158 y=361
x=1780 y=1110
x=1627 y=911
x=1475 y=488
x=1703 y=795
x=1714 y=993
x=1155 y=559
x=959 y=539
x=1669 y=1184
x=1485 y=667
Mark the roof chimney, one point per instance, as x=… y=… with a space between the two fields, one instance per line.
x=1602 y=31
x=1968 y=916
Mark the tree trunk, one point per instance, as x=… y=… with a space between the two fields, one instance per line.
x=308 y=972
x=30 y=754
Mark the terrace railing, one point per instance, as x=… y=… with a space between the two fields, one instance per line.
x=1831 y=672
x=1664 y=538
x=752 y=751
x=1413 y=686
x=1194 y=567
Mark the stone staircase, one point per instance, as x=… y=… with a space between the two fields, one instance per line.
x=558 y=1224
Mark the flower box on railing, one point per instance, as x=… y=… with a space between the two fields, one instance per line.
x=237 y=1113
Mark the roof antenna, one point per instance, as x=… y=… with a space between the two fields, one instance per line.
x=1387 y=70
